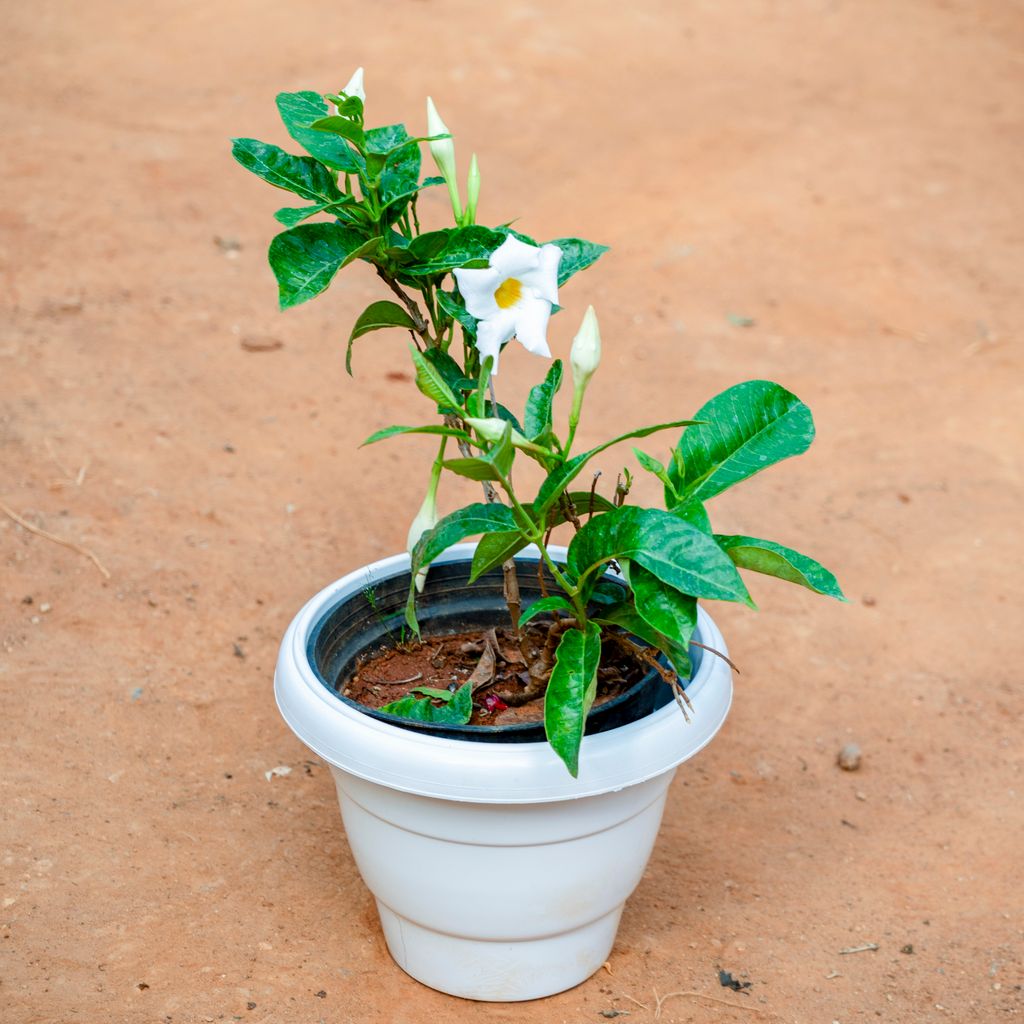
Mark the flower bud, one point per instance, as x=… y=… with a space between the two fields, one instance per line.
x=426 y=519
x=443 y=152
x=472 y=190
x=355 y=85
x=584 y=358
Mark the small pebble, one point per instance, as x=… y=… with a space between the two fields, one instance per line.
x=849 y=757
x=860 y=795
x=45 y=607
x=908 y=948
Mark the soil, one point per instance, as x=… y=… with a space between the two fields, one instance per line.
x=446 y=663
x=821 y=192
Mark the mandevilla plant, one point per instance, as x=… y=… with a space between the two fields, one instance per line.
x=492 y=285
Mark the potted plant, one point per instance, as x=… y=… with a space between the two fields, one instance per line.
x=503 y=719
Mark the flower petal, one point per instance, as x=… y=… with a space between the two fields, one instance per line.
x=544 y=278
x=493 y=332
x=532 y=315
x=514 y=258
x=478 y=288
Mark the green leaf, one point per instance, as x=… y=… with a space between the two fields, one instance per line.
x=672 y=614
x=483 y=517
x=305 y=259
x=563 y=474
x=494 y=464
x=453 y=305
x=652 y=465
x=773 y=559
x=538 y=419
x=344 y=127
x=495 y=549
x=676 y=552
x=430 y=380
x=625 y=615
x=399 y=157
x=694 y=513
x=431 y=428
x=376 y=317
x=439 y=251
x=299 y=110
x=747 y=428
x=299 y=174
x=289 y=216
x=457 y=709
x=577 y=255
x=554 y=603
x=450 y=371
x=571 y=691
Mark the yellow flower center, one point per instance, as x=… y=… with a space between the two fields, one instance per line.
x=508 y=293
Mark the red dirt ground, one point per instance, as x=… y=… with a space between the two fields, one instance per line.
x=847 y=175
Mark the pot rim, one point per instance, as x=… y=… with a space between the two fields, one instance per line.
x=470 y=771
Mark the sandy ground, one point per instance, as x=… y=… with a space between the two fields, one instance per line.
x=847 y=175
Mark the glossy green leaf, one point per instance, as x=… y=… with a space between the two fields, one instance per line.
x=430 y=428
x=625 y=615
x=430 y=380
x=538 y=419
x=305 y=259
x=494 y=464
x=399 y=161
x=466 y=522
x=694 y=513
x=454 y=307
x=746 y=429
x=664 y=608
x=450 y=370
x=495 y=549
x=577 y=255
x=554 y=603
x=571 y=691
x=652 y=465
x=457 y=709
x=765 y=556
x=298 y=111
x=344 y=127
x=676 y=552
x=302 y=175
x=376 y=317
x=439 y=251
x=289 y=216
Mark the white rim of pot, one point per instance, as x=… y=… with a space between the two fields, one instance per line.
x=465 y=770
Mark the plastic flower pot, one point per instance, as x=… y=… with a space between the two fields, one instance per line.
x=497 y=875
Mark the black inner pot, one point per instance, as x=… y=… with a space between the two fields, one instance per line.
x=371 y=621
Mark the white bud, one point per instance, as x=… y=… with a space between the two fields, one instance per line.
x=426 y=519
x=586 y=349
x=443 y=152
x=584 y=358
x=355 y=85
x=472 y=190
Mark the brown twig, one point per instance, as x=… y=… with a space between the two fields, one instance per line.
x=593 y=491
x=648 y=657
x=700 y=995
x=39 y=532
x=414 y=311
x=724 y=657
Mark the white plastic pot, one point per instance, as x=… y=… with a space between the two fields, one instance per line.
x=497 y=875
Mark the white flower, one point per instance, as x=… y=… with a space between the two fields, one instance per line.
x=355 y=85
x=512 y=297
